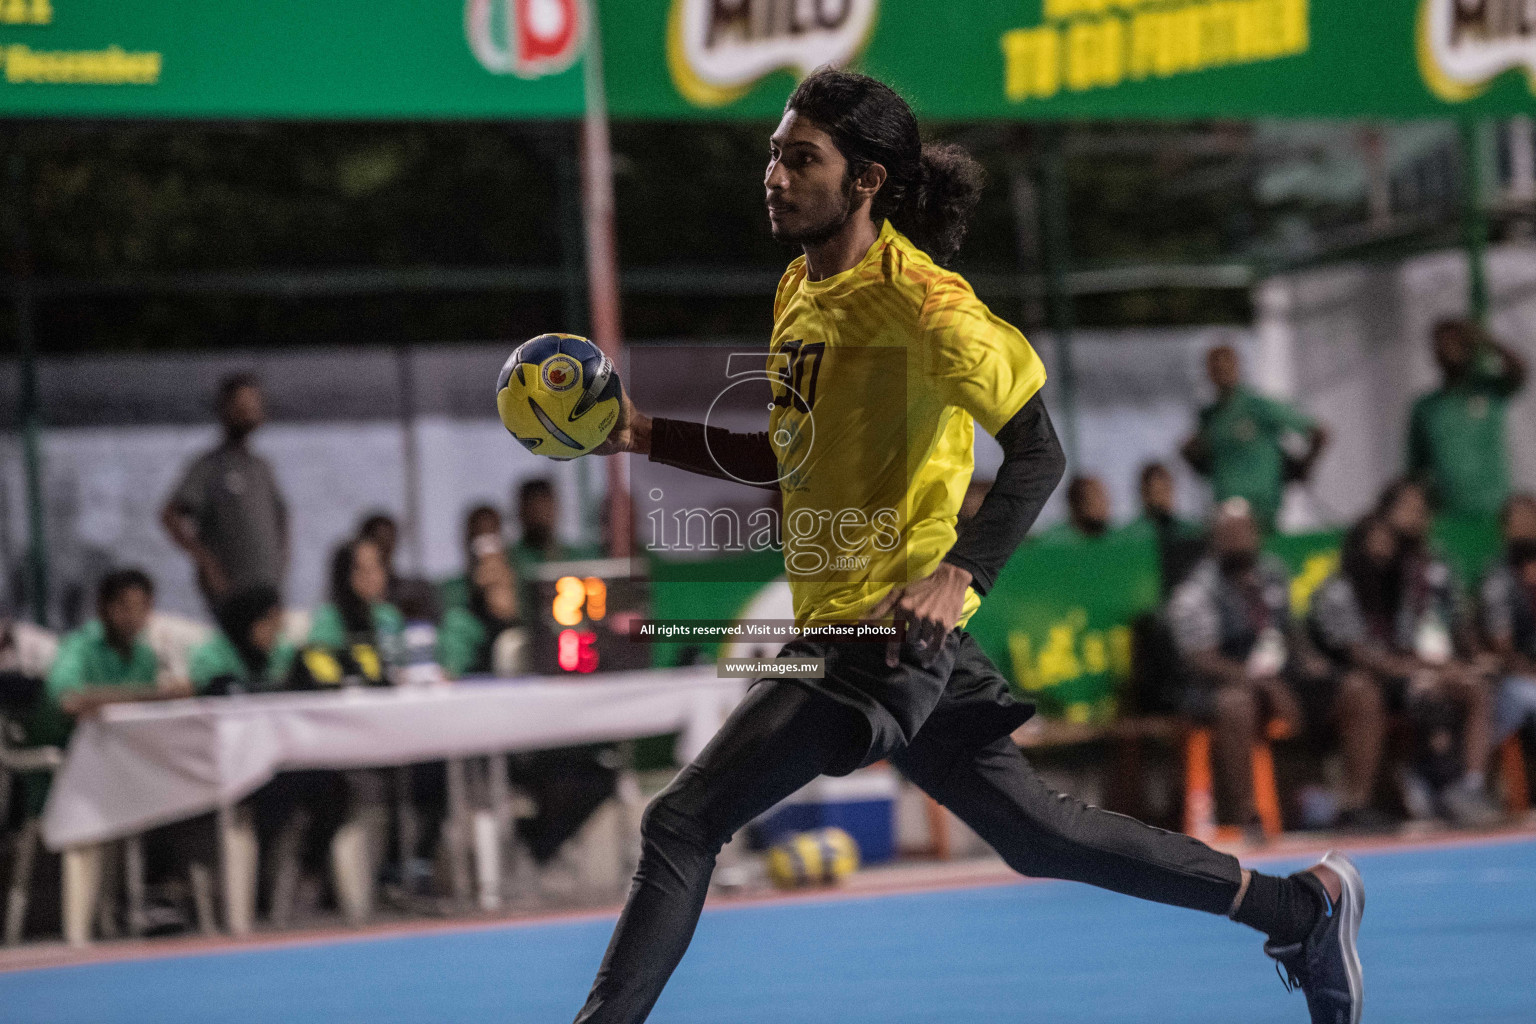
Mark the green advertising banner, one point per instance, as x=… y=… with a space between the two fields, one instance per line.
x=1058 y=622
x=292 y=58
x=1028 y=59
x=962 y=59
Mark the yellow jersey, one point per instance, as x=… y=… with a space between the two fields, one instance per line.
x=879 y=374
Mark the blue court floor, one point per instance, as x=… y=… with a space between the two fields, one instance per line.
x=1449 y=936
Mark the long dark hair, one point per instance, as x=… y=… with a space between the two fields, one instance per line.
x=1378 y=588
x=356 y=616
x=930 y=190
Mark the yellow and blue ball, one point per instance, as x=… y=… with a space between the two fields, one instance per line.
x=558 y=394
x=825 y=856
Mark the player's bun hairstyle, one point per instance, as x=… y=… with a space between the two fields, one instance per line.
x=930 y=191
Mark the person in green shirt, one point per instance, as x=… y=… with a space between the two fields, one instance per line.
x=1087 y=515
x=537 y=515
x=1158 y=519
x=247 y=654
x=482 y=536
x=1180 y=542
x=1246 y=443
x=467 y=636
x=1456 y=433
x=358 y=612
x=105 y=661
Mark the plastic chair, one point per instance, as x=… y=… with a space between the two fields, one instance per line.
x=19 y=760
x=1199 y=794
x=1517 y=793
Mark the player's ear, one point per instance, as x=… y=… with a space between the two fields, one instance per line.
x=867 y=184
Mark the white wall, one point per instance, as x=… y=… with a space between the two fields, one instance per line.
x=1358 y=340
x=105 y=487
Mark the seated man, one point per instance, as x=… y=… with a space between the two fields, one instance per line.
x=1087 y=514
x=1247 y=662
x=1394 y=613
x=1508 y=615
x=104 y=661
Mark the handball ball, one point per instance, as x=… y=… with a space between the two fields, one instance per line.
x=558 y=395
x=823 y=857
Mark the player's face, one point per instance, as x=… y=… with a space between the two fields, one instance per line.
x=809 y=190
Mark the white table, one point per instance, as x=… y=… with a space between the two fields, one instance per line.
x=136 y=766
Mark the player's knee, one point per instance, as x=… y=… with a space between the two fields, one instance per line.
x=669 y=820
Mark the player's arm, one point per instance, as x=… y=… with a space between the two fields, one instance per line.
x=1033 y=464
x=708 y=451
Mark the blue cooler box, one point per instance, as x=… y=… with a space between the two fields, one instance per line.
x=862 y=804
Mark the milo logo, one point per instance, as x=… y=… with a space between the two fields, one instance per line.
x=1464 y=44
x=718 y=49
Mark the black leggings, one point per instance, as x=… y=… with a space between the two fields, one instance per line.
x=783 y=736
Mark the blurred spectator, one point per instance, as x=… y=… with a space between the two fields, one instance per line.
x=384 y=532
x=227 y=512
x=482 y=532
x=1180 y=543
x=1394 y=613
x=1087 y=514
x=1249 y=666
x=26 y=654
x=1456 y=433
x=104 y=661
x=247 y=654
x=358 y=612
x=1246 y=443
x=1508 y=612
x=468 y=636
x=538 y=514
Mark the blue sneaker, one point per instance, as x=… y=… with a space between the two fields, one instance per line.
x=1326 y=964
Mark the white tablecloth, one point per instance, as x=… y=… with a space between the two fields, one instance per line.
x=141 y=765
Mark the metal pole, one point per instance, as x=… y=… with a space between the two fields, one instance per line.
x=1474 y=219
x=405 y=370
x=1053 y=257
x=565 y=151
x=31 y=425
x=603 y=261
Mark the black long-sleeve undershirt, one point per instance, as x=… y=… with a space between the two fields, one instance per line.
x=713 y=451
x=1033 y=464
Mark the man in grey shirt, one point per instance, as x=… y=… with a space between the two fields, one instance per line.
x=227 y=512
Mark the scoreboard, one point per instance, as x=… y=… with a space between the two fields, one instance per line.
x=582 y=610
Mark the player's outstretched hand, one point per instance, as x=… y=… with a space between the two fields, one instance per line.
x=930 y=607
x=631 y=433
